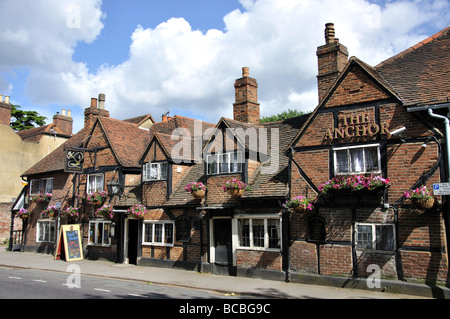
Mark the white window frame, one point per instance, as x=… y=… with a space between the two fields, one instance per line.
x=163 y=224
x=374 y=237
x=45 y=186
x=218 y=160
x=98 y=187
x=49 y=236
x=265 y=218
x=363 y=171
x=94 y=236
x=161 y=171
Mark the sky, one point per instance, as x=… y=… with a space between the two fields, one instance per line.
x=183 y=56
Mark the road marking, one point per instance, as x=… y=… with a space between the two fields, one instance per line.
x=14 y=277
x=104 y=290
x=136 y=295
x=39 y=280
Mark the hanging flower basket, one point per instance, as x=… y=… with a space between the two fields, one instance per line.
x=41 y=198
x=236 y=188
x=104 y=212
x=50 y=212
x=71 y=213
x=137 y=211
x=197 y=189
x=96 y=198
x=22 y=213
x=300 y=204
x=421 y=198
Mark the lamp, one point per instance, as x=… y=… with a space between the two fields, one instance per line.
x=113 y=188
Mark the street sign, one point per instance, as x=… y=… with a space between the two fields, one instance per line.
x=441 y=189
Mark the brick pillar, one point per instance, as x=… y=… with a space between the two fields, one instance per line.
x=332 y=59
x=246 y=106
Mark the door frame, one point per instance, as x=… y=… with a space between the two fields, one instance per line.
x=126 y=240
x=212 y=250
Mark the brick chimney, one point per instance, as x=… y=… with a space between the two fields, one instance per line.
x=63 y=122
x=246 y=106
x=332 y=58
x=5 y=111
x=91 y=113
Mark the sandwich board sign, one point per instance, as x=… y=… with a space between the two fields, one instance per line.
x=441 y=189
x=69 y=243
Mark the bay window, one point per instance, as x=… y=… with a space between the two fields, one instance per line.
x=100 y=232
x=259 y=233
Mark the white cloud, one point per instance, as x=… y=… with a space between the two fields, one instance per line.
x=172 y=67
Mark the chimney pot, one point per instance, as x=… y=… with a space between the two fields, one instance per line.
x=94 y=102
x=69 y=113
x=329 y=33
x=63 y=112
x=7 y=99
x=1 y=97
x=245 y=72
x=101 y=101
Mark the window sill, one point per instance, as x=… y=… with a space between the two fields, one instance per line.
x=260 y=249
x=158 y=244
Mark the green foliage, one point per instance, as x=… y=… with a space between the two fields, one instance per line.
x=24 y=120
x=281 y=116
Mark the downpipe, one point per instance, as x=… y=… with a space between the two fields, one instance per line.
x=447 y=137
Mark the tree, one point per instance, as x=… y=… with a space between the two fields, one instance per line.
x=282 y=116
x=24 y=120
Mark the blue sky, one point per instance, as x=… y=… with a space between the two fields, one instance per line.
x=183 y=56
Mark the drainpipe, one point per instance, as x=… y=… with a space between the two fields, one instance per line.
x=447 y=137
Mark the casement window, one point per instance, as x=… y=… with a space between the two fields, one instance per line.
x=259 y=233
x=100 y=232
x=45 y=231
x=158 y=233
x=95 y=183
x=154 y=171
x=224 y=163
x=375 y=237
x=357 y=159
x=41 y=186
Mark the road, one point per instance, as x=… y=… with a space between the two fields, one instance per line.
x=37 y=284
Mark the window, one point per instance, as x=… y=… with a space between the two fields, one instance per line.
x=159 y=233
x=95 y=183
x=41 y=186
x=352 y=160
x=259 y=232
x=154 y=171
x=224 y=163
x=45 y=231
x=99 y=232
x=375 y=236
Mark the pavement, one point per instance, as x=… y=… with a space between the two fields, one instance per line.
x=239 y=286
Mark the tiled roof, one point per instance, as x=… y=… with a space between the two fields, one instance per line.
x=127 y=140
x=421 y=74
x=55 y=160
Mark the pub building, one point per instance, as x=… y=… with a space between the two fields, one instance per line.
x=356 y=163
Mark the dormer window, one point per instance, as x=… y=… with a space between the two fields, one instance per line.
x=154 y=171
x=224 y=163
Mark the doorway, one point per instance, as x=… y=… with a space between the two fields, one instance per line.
x=133 y=241
x=222 y=242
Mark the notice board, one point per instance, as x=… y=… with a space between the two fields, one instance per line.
x=69 y=243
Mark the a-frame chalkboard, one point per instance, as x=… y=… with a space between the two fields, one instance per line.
x=69 y=243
